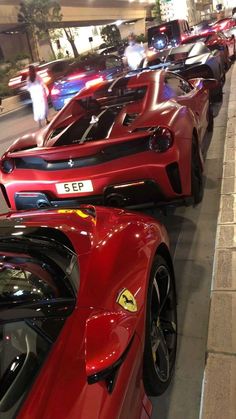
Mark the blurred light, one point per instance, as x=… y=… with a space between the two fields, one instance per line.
x=76 y=76
x=93 y=82
x=118 y=22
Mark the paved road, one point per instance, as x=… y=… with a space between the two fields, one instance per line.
x=192 y=233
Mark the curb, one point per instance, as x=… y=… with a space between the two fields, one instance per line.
x=219 y=381
x=21 y=110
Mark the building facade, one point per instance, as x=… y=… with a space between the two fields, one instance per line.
x=192 y=10
x=85 y=14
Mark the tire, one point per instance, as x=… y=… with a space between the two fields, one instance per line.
x=210 y=125
x=196 y=175
x=218 y=97
x=234 y=54
x=161 y=329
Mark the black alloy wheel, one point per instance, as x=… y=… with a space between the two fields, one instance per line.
x=161 y=329
x=196 y=174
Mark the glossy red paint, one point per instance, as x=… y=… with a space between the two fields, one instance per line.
x=214 y=38
x=224 y=24
x=94 y=336
x=180 y=115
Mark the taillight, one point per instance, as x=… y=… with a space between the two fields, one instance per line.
x=161 y=140
x=93 y=82
x=55 y=91
x=76 y=76
x=14 y=81
x=7 y=165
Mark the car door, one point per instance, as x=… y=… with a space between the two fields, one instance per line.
x=195 y=99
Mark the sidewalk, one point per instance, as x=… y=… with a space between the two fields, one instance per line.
x=219 y=386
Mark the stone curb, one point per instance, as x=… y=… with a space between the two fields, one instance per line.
x=219 y=383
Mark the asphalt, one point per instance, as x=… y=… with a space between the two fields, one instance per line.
x=192 y=233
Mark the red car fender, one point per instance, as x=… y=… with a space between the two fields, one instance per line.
x=109 y=268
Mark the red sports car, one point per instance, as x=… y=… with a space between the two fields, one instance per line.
x=215 y=40
x=225 y=24
x=87 y=314
x=127 y=142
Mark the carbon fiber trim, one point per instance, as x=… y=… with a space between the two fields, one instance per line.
x=107 y=154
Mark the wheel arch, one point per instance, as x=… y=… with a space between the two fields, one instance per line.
x=195 y=135
x=163 y=251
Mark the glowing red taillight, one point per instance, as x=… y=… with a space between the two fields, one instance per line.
x=13 y=82
x=161 y=140
x=55 y=91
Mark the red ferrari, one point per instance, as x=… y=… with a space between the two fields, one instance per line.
x=88 y=322
x=127 y=142
x=216 y=40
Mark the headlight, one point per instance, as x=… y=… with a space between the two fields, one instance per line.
x=161 y=140
x=7 y=165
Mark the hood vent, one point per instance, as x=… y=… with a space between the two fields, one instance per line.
x=130 y=118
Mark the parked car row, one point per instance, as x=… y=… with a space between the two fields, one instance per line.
x=87 y=293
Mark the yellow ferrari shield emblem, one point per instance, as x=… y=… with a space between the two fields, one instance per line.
x=127 y=301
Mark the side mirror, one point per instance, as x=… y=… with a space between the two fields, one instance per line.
x=208 y=84
x=108 y=339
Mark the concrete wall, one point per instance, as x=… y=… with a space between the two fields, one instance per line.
x=12 y=45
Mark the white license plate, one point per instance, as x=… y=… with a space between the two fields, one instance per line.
x=74 y=187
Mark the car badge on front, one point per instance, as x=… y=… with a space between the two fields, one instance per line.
x=71 y=163
x=126 y=300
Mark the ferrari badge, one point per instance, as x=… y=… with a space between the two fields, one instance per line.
x=127 y=301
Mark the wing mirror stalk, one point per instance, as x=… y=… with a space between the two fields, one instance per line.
x=109 y=337
x=109 y=375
